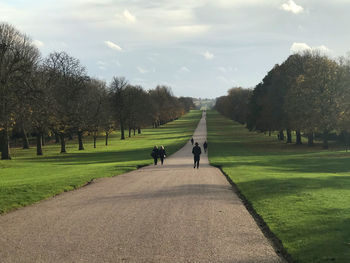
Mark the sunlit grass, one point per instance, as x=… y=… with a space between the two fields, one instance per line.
x=302 y=193
x=27 y=178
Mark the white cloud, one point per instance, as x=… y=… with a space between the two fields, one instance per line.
x=184 y=69
x=38 y=43
x=112 y=45
x=128 y=16
x=226 y=81
x=192 y=29
x=301 y=47
x=142 y=70
x=222 y=69
x=292 y=7
x=208 y=55
x=323 y=49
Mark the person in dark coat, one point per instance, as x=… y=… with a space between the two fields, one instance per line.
x=155 y=154
x=162 y=154
x=196 y=155
x=205 y=146
x=192 y=140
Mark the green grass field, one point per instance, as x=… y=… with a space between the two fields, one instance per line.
x=302 y=193
x=27 y=178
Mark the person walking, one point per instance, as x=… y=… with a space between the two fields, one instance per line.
x=205 y=146
x=196 y=151
x=155 y=154
x=162 y=154
x=192 y=140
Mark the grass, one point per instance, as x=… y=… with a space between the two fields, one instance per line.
x=301 y=192
x=27 y=178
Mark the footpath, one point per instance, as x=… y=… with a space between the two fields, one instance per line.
x=169 y=213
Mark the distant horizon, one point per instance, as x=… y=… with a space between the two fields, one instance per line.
x=198 y=48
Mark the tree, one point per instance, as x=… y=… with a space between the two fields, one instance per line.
x=117 y=93
x=312 y=103
x=18 y=58
x=66 y=81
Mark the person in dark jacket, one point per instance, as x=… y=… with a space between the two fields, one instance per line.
x=162 y=154
x=196 y=155
x=155 y=154
x=205 y=146
x=192 y=140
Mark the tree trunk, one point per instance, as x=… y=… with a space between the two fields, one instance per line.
x=63 y=143
x=122 y=135
x=310 y=139
x=80 y=140
x=289 y=136
x=1 y=141
x=5 y=147
x=39 y=148
x=95 y=138
x=134 y=131
x=298 y=136
x=43 y=142
x=325 y=140
x=269 y=133
x=25 y=138
x=281 y=137
x=57 y=138
x=107 y=138
x=138 y=130
x=129 y=132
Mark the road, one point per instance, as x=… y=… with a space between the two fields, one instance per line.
x=169 y=213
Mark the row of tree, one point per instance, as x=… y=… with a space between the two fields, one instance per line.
x=54 y=96
x=309 y=93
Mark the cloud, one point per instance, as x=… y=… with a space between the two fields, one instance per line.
x=192 y=29
x=112 y=45
x=208 y=55
x=292 y=7
x=184 y=69
x=324 y=49
x=128 y=16
x=142 y=70
x=38 y=43
x=301 y=47
x=226 y=81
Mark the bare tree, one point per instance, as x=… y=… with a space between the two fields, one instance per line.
x=66 y=81
x=18 y=57
x=117 y=90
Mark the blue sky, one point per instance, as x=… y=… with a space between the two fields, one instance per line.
x=199 y=48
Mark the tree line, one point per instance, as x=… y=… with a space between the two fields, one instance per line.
x=308 y=93
x=55 y=97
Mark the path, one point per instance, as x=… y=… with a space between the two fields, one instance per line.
x=172 y=213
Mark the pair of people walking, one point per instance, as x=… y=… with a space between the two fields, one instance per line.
x=158 y=153
x=196 y=151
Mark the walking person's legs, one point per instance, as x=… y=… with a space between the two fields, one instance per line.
x=161 y=160
x=155 y=161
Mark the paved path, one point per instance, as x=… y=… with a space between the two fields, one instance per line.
x=172 y=213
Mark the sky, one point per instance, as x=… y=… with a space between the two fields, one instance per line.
x=199 y=48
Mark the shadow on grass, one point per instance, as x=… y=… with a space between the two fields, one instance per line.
x=272 y=188
x=300 y=165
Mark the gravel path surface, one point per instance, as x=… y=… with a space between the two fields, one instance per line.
x=169 y=213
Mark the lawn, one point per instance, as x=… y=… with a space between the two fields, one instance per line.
x=27 y=178
x=301 y=192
